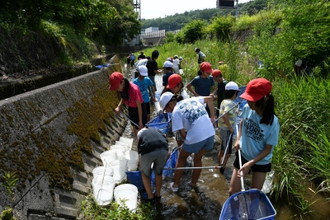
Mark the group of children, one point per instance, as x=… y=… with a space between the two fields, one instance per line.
x=194 y=121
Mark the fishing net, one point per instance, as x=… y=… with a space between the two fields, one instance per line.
x=160 y=122
x=171 y=162
x=249 y=204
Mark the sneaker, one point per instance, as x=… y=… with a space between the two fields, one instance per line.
x=174 y=189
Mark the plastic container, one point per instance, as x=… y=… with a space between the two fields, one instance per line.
x=126 y=195
x=132 y=160
x=135 y=178
x=108 y=156
x=102 y=180
x=102 y=171
x=125 y=145
x=103 y=188
x=126 y=141
x=119 y=169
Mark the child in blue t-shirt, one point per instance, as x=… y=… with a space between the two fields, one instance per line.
x=258 y=133
x=144 y=82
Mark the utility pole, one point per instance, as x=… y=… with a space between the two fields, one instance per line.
x=236 y=11
x=137 y=7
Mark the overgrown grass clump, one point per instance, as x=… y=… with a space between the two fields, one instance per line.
x=92 y=211
x=301 y=160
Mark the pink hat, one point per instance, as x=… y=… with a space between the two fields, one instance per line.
x=256 y=89
x=173 y=81
x=206 y=67
x=114 y=80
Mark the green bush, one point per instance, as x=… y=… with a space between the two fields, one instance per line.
x=220 y=28
x=299 y=31
x=193 y=31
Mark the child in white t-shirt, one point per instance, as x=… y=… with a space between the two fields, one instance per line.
x=227 y=123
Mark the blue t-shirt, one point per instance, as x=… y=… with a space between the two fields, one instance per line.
x=255 y=136
x=165 y=78
x=143 y=85
x=202 y=85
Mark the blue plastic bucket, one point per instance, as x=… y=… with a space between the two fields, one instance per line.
x=135 y=178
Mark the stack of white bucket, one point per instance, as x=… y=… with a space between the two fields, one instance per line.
x=116 y=161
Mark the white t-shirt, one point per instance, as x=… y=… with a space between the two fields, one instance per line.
x=190 y=114
x=176 y=65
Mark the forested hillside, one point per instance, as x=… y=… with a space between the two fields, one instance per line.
x=177 y=21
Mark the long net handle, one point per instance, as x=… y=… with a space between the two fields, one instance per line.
x=227 y=146
x=217 y=119
x=240 y=166
x=240 y=162
x=192 y=168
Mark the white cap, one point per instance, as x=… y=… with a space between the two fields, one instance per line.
x=140 y=132
x=231 y=86
x=164 y=99
x=168 y=64
x=298 y=63
x=143 y=70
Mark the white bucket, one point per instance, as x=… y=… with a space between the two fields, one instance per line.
x=133 y=160
x=119 y=146
x=132 y=155
x=126 y=145
x=102 y=181
x=127 y=141
x=108 y=156
x=119 y=169
x=103 y=190
x=102 y=171
x=126 y=195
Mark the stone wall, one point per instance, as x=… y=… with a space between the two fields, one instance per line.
x=50 y=141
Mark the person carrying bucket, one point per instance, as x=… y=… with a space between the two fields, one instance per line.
x=227 y=123
x=131 y=96
x=190 y=118
x=258 y=133
x=153 y=147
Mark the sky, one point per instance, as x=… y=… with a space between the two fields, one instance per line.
x=162 y=8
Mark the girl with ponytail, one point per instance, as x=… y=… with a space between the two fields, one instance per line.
x=258 y=133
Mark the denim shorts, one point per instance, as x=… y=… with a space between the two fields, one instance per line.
x=206 y=144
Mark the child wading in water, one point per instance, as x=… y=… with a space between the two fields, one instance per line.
x=258 y=134
x=227 y=123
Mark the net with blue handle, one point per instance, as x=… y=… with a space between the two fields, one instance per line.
x=249 y=204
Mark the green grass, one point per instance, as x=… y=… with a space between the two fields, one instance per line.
x=92 y=211
x=215 y=51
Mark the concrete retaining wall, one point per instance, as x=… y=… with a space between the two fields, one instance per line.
x=50 y=142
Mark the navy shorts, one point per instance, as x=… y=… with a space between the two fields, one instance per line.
x=255 y=168
x=134 y=115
